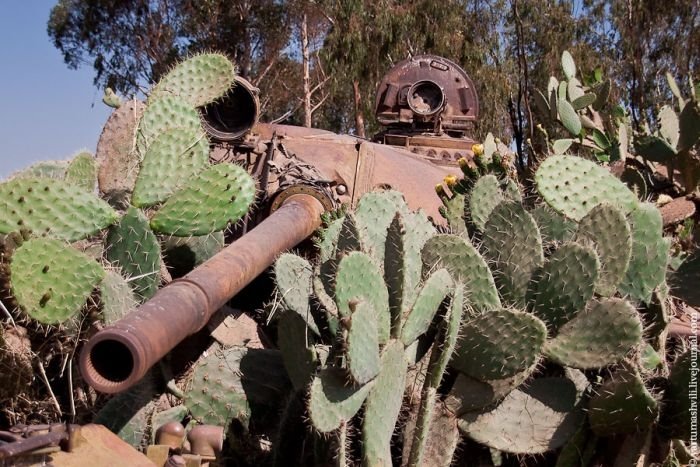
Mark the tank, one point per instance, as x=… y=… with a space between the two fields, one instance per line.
x=427 y=105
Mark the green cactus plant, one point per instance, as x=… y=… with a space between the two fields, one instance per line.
x=48 y=206
x=538 y=418
x=226 y=381
x=200 y=80
x=214 y=198
x=134 y=249
x=174 y=157
x=82 y=171
x=116 y=296
x=52 y=281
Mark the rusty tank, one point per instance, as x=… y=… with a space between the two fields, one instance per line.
x=427 y=105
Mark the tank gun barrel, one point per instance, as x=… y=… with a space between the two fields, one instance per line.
x=117 y=357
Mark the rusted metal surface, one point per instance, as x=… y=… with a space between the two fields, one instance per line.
x=206 y=440
x=120 y=355
x=231 y=117
x=98 y=446
x=677 y=211
x=426 y=91
x=171 y=434
x=350 y=167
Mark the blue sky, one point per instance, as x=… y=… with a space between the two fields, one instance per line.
x=46 y=110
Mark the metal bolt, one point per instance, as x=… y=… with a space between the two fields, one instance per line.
x=341 y=189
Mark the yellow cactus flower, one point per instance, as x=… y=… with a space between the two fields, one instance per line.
x=450 y=180
x=478 y=149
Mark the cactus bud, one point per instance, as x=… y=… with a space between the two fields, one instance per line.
x=440 y=190
x=478 y=149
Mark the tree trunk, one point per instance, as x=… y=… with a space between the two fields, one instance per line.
x=359 y=117
x=307 y=80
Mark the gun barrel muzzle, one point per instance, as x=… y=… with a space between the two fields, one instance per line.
x=117 y=357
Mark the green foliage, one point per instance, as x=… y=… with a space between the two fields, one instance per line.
x=116 y=296
x=200 y=80
x=537 y=418
x=52 y=281
x=227 y=381
x=82 y=171
x=176 y=156
x=134 y=249
x=48 y=206
x=214 y=198
x=622 y=405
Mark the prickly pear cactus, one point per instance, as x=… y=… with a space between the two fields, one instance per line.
x=573 y=186
x=82 y=171
x=576 y=265
x=52 y=281
x=216 y=197
x=227 y=380
x=47 y=206
x=134 y=249
x=200 y=80
x=383 y=309
x=170 y=162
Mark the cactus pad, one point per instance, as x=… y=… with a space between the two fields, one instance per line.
x=294 y=340
x=43 y=205
x=554 y=227
x=132 y=246
x=622 y=406
x=226 y=380
x=116 y=297
x=565 y=284
x=499 y=344
x=383 y=405
x=373 y=215
x=363 y=344
x=435 y=290
x=538 y=418
x=359 y=278
x=573 y=186
x=44 y=169
x=465 y=265
x=395 y=271
x=469 y=394
x=600 y=335
x=608 y=231
x=199 y=80
x=161 y=115
x=647 y=266
x=332 y=402
x=293 y=278
x=453 y=212
x=82 y=171
x=677 y=418
x=52 y=281
x=485 y=196
x=176 y=156
x=183 y=254
x=219 y=195
x=512 y=242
